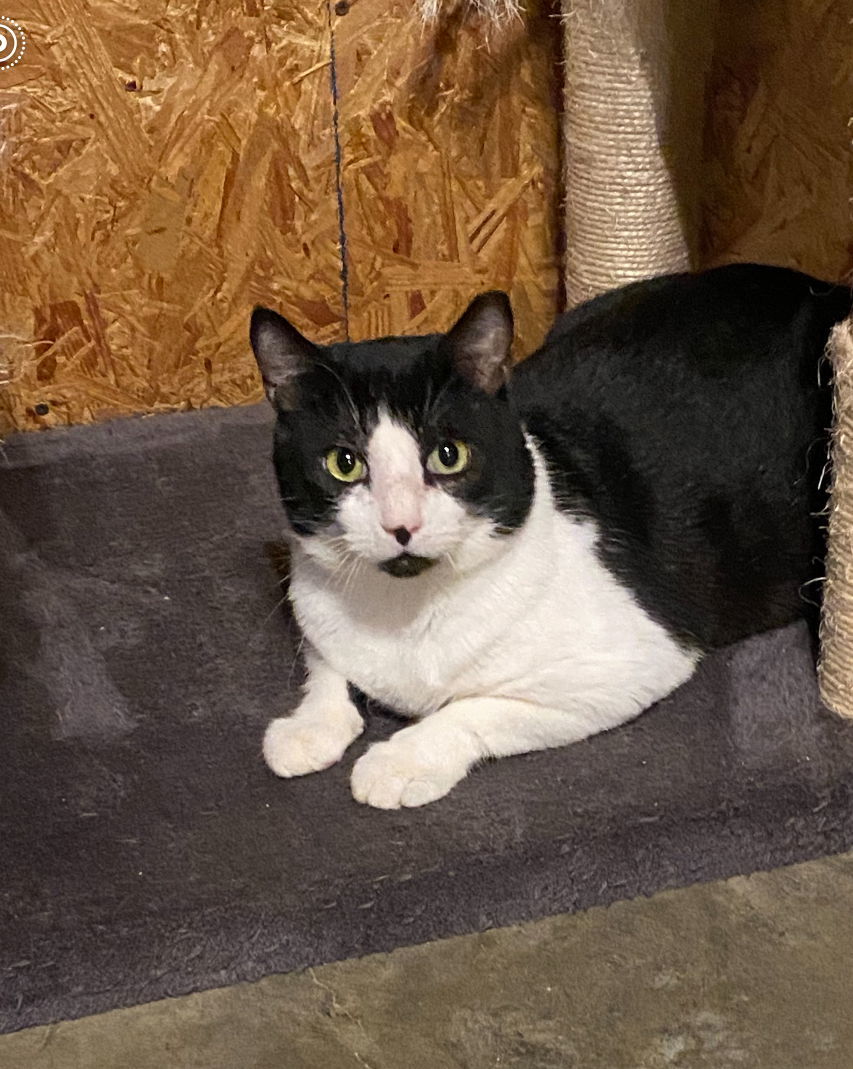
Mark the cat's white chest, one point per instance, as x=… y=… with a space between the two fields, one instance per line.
x=544 y=623
x=412 y=661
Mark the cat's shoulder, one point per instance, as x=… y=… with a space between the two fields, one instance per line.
x=704 y=323
x=746 y=294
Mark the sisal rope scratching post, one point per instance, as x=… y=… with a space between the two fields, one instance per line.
x=836 y=633
x=635 y=74
x=634 y=112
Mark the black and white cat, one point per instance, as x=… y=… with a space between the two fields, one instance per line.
x=518 y=559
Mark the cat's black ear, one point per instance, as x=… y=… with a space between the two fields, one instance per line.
x=282 y=353
x=480 y=343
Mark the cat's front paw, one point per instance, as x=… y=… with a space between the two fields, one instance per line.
x=297 y=745
x=394 y=774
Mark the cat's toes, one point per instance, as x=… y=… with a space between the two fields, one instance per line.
x=391 y=775
x=295 y=746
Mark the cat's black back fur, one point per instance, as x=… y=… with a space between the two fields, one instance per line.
x=688 y=415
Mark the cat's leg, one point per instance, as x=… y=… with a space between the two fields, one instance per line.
x=318 y=732
x=422 y=762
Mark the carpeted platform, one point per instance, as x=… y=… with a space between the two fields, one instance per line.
x=145 y=850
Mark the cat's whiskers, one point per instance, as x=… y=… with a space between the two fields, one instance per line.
x=355 y=565
x=454 y=564
x=348 y=564
x=427 y=402
x=272 y=612
x=349 y=398
x=297 y=655
x=434 y=402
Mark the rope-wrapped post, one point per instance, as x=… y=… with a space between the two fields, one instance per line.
x=835 y=670
x=635 y=73
x=634 y=85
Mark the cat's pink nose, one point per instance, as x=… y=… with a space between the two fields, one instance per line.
x=402 y=534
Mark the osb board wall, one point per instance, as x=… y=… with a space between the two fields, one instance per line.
x=778 y=157
x=165 y=165
x=450 y=164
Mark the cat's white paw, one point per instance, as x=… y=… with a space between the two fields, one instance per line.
x=393 y=774
x=297 y=745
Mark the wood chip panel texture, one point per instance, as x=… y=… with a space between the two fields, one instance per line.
x=168 y=164
x=451 y=164
x=778 y=153
x=165 y=165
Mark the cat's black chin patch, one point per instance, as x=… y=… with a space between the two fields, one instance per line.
x=406 y=565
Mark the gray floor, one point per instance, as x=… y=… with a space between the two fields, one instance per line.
x=753 y=972
x=144 y=656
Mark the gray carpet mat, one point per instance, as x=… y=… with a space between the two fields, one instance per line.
x=145 y=850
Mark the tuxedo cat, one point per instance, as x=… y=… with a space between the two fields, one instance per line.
x=519 y=558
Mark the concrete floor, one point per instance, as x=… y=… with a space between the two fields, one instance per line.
x=754 y=972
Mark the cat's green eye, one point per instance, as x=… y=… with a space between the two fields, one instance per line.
x=449 y=458
x=345 y=465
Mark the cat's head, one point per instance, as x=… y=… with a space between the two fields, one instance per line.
x=398 y=452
